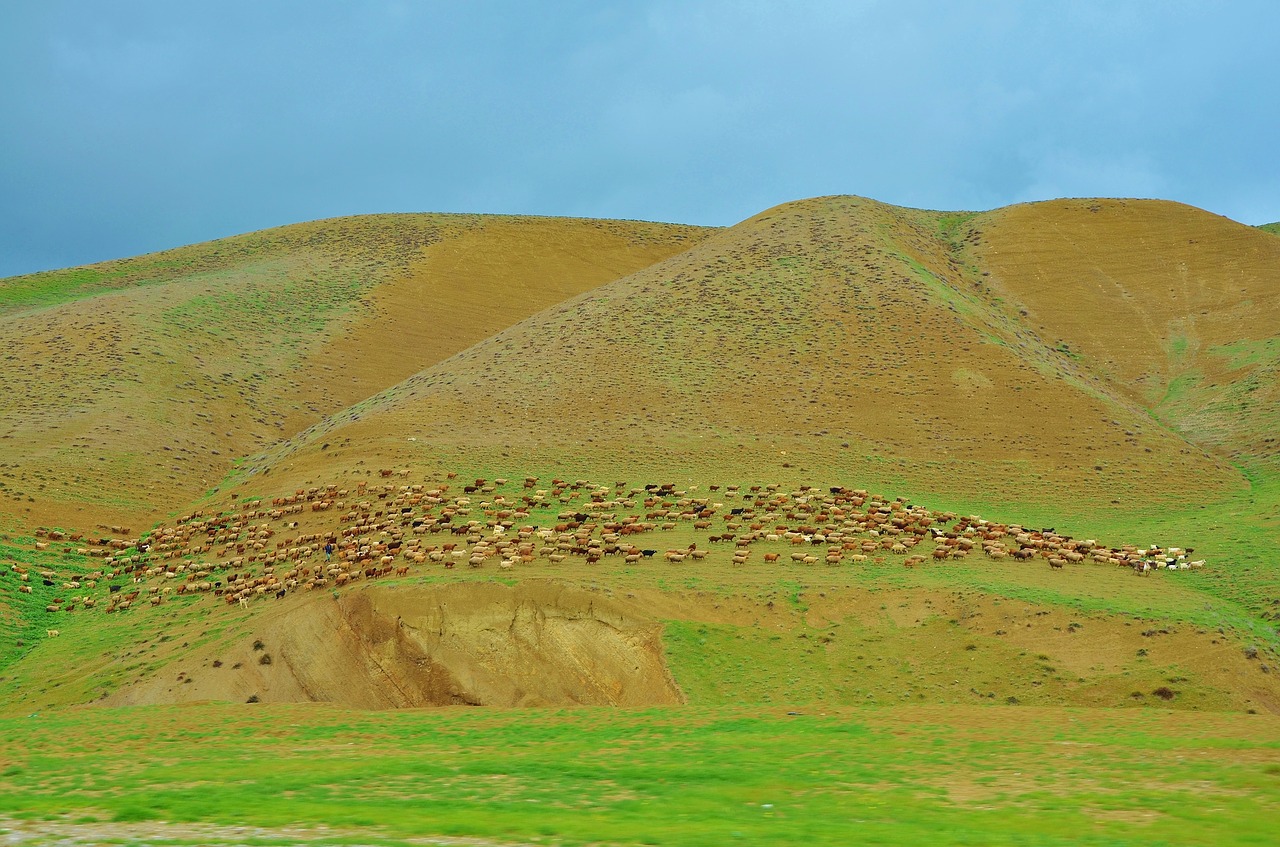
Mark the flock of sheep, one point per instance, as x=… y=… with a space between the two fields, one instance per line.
x=375 y=530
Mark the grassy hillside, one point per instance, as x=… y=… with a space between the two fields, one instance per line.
x=828 y=341
x=1178 y=309
x=131 y=387
x=754 y=622
x=418 y=389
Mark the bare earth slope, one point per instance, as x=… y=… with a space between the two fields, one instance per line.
x=535 y=644
x=831 y=339
x=1177 y=308
x=130 y=387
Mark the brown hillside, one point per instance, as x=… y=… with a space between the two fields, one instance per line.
x=131 y=387
x=536 y=644
x=1177 y=308
x=838 y=339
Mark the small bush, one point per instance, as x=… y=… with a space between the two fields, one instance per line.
x=1164 y=692
x=253 y=698
x=258 y=645
x=264 y=659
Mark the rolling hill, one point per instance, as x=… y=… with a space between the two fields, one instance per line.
x=842 y=339
x=851 y=506
x=1178 y=309
x=1104 y=366
x=131 y=387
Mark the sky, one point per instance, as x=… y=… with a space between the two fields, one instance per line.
x=129 y=127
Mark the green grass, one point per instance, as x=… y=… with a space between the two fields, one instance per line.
x=982 y=775
x=371 y=241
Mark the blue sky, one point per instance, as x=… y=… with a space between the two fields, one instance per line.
x=130 y=127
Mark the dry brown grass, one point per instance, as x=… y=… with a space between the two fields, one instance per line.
x=1176 y=308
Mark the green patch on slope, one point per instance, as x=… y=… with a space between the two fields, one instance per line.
x=1249 y=351
x=52 y=288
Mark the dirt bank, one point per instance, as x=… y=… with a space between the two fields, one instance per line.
x=538 y=643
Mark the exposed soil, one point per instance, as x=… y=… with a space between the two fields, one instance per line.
x=537 y=643
x=37 y=833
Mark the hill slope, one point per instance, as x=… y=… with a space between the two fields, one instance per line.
x=954 y=359
x=1177 y=308
x=131 y=387
x=833 y=340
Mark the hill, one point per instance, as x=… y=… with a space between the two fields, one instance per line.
x=132 y=387
x=828 y=341
x=1177 y=309
x=983 y=363
x=911 y=494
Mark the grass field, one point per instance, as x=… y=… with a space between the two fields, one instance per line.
x=685 y=776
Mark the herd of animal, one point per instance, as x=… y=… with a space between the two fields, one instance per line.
x=389 y=527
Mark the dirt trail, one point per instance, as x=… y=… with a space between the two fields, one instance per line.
x=31 y=833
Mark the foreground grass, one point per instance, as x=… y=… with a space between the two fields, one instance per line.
x=687 y=776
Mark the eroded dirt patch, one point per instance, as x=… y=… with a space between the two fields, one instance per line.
x=538 y=643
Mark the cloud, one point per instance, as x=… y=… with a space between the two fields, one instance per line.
x=138 y=126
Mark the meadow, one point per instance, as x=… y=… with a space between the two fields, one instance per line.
x=990 y=775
